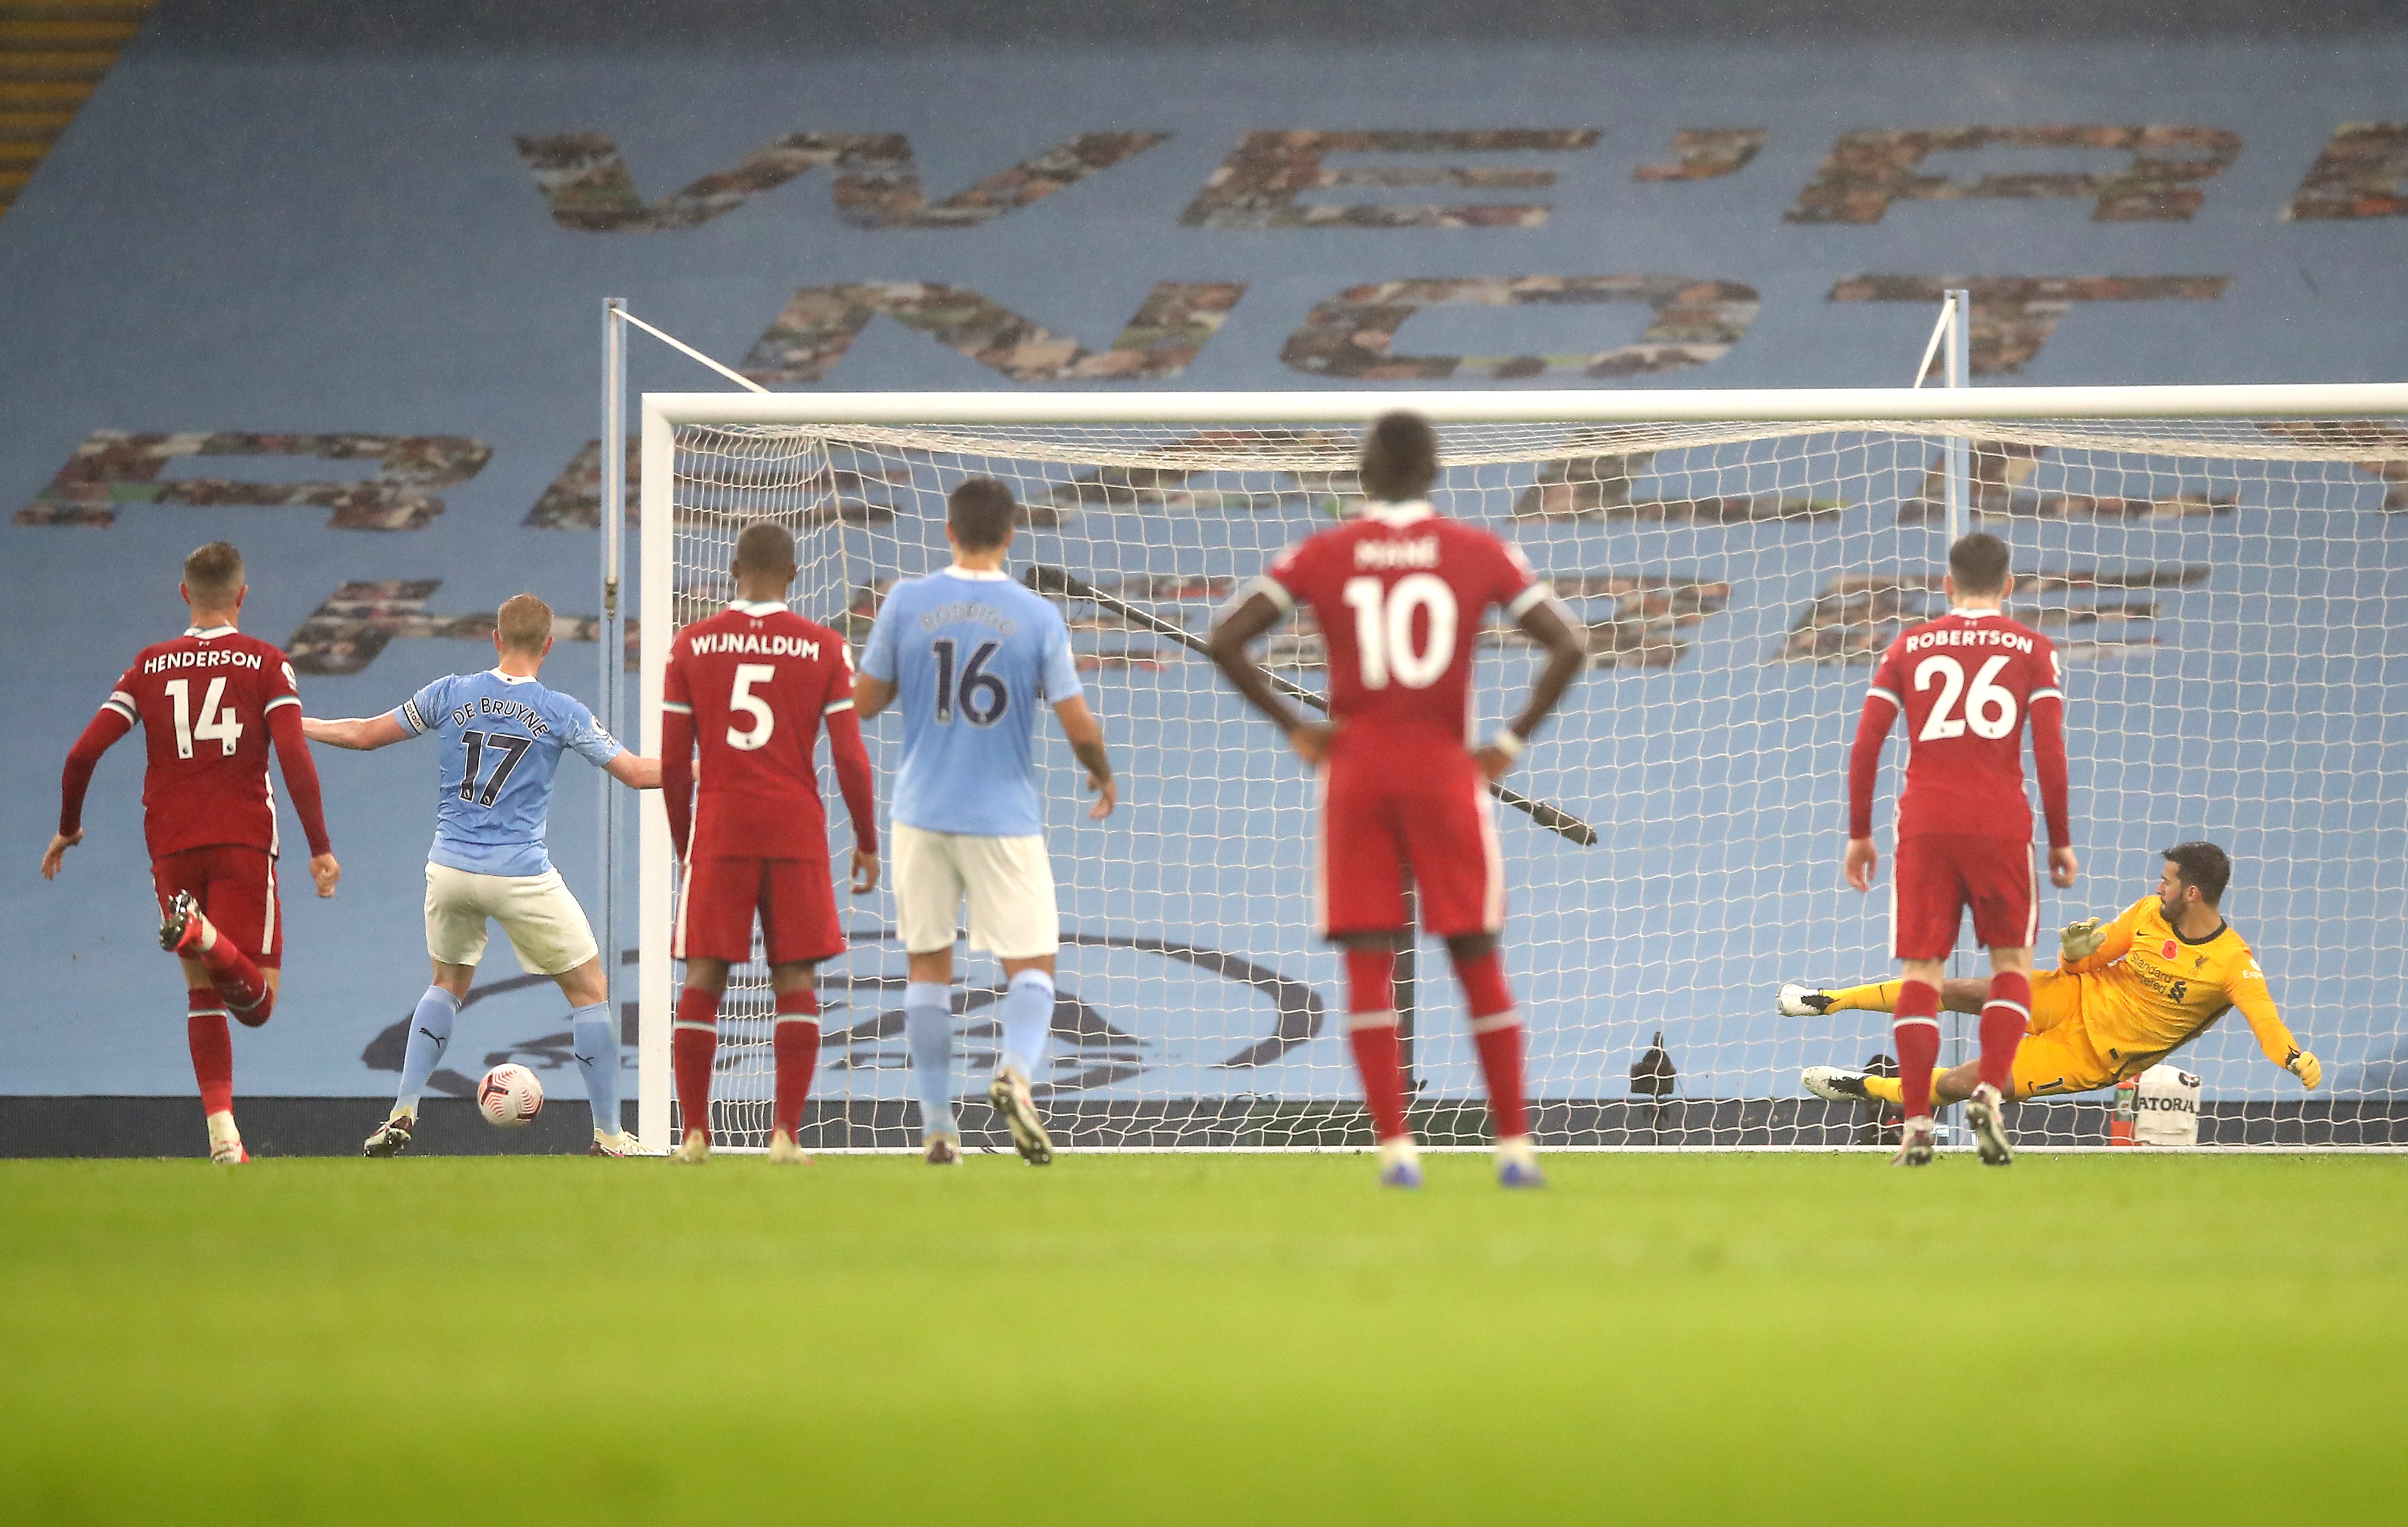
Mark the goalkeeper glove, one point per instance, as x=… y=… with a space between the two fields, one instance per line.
x=2080 y=940
x=2305 y=1066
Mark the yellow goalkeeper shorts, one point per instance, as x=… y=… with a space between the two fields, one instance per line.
x=2056 y=1056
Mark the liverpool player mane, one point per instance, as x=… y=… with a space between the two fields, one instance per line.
x=1401 y=595
x=1966 y=685
x=743 y=699
x=212 y=699
x=2123 y=997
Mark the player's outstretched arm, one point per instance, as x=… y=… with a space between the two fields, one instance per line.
x=2274 y=1036
x=1547 y=625
x=1237 y=629
x=99 y=736
x=1087 y=735
x=359 y=734
x=635 y=772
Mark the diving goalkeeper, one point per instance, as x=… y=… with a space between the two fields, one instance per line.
x=2123 y=997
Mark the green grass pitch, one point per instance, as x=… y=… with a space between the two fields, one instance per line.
x=1217 y=1339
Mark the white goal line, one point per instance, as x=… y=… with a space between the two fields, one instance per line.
x=2286 y=400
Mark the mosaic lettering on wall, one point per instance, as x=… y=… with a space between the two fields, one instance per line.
x=1871 y=169
x=2362 y=173
x=2093 y=615
x=1696 y=321
x=1602 y=487
x=358 y=620
x=2385 y=441
x=2000 y=482
x=1258 y=186
x=2014 y=315
x=821 y=323
x=1704 y=153
x=115 y=468
x=587 y=184
x=840 y=488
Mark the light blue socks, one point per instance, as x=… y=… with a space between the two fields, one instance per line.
x=1027 y=1019
x=928 y=1025
x=430 y=1032
x=598 y=1055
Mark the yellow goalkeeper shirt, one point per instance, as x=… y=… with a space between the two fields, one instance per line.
x=2150 y=990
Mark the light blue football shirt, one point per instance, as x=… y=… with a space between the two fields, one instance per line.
x=501 y=739
x=973 y=657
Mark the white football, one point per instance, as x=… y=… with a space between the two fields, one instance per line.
x=510 y=1096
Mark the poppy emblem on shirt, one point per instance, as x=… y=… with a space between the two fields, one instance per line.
x=2167 y=952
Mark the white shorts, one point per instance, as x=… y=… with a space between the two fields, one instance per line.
x=546 y=926
x=1007 y=880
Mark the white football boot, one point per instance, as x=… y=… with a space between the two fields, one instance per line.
x=1008 y=1093
x=1986 y=1114
x=1798 y=1000
x=693 y=1149
x=225 y=1141
x=392 y=1138
x=1835 y=1084
x=784 y=1150
x=1915 y=1141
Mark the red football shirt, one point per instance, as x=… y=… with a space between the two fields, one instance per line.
x=203 y=701
x=1402 y=595
x=756 y=678
x=1966 y=683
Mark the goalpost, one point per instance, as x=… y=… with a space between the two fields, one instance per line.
x=2225 y=570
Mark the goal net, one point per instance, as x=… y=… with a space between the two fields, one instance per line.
x=2226 y=590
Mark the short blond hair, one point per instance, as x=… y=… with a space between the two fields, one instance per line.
x=212 y=574
x=524 y=623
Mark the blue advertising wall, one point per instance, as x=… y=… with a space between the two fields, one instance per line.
x=246 y=248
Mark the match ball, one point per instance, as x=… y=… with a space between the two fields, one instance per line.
x=510 y=1096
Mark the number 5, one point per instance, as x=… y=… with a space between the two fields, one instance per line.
x=765 y=720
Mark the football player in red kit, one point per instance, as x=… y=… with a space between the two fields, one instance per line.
x=1403 y=595
x=748 y=689
x=212 y=700
x=1966 y=684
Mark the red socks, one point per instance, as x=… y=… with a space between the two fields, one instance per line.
x=693 y=1046
x=2004 y=1018
x=1371 y=1031
x=796 y=1040
x=1915 y=1031
x=238 y=981
x=1497 y=1030
x=204 y=1029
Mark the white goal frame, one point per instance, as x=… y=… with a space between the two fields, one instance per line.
x=663 y=412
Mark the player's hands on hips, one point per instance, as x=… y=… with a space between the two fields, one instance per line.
x=1861 y=861
x=54 y=856
x=2080 y=940
x=2062 y=868
x=865 y=873
x=1311 y=740
x=2305 y=1066
x=1108 y=795
x=324 y=870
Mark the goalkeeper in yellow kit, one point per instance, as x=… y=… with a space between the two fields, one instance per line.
x=2124 y=996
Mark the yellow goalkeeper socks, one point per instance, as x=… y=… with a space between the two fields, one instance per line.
x=1875 y=997
x=1888 y=1089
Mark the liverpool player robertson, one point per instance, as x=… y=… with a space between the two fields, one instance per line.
x=1401 y=595
x=212 y=699
x=742 y=701
x=1966 y=684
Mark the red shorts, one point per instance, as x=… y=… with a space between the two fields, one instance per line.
x=1938 y=878
x=795 y=899
x=235 y=885
x=1423 y=820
